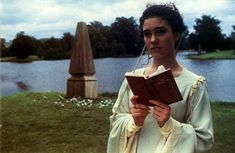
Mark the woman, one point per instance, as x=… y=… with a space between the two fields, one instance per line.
x=182 y=127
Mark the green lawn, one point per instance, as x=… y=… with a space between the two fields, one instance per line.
x=48 y=123
x=228 y=54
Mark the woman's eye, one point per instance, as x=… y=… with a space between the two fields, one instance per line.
x=147 y=34
x=160 y=31
x=156 y=32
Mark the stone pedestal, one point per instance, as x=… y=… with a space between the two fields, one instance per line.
x=82 y=86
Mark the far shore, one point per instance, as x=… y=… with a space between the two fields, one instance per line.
x=217 y=55
x=30 y=58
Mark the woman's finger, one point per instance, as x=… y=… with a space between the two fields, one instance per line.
x=134 y=99
x=141 y=106
x=138 y=110
x=159 y=104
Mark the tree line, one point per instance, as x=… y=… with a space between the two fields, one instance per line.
x=122 y=38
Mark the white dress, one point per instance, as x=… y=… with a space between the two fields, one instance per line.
x=192 y=129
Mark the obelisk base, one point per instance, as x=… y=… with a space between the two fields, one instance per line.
x=84 y=86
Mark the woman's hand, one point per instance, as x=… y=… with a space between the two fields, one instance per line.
x=138 y=111
x=161 y=112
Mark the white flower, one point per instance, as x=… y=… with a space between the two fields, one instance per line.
x=61 y=97
x=90 y=100
x=74 y=99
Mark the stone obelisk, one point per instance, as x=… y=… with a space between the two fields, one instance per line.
x=82 y=83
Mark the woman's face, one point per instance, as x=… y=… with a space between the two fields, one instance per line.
x=159 y=37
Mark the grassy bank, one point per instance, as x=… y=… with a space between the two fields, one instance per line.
x=48 y=123
x=228 y=54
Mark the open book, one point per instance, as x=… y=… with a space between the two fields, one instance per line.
x=159 y=86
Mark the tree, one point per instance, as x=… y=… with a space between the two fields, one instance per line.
x=53 y=48
x=232 y=35
x=193 y=41
x=125 y=31
x=23 y=45
x=68 y=41
x=52 y=43
x=2 y=47
x=98 y=37
x=208 y=32
x=227 y=44
x=183 y=43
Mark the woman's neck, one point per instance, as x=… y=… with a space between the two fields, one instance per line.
x=167 y=63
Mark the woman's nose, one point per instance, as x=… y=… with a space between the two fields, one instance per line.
x=154 y=38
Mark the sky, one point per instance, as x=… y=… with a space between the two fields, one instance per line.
x=52 y=18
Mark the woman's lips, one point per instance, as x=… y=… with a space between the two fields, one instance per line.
x=155 y=48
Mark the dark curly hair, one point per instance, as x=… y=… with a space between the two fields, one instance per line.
x=167 y=12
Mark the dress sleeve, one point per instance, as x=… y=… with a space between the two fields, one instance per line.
x=197 y=134
x=132 y=128
x=198 y=131
x=118 y=141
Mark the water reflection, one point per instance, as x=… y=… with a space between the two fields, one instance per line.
x=53 y=75
x=22 y=86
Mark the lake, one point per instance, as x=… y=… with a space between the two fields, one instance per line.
x=39 y=76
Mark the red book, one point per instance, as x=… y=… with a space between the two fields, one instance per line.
x=160 y=86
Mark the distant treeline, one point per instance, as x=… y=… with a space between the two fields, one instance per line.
x=121 y=38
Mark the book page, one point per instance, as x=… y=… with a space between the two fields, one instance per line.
x=133 y=74
x=159 y=70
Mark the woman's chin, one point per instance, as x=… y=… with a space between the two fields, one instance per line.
x=154 y=54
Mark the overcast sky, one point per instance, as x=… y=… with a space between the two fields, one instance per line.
x=47 y=18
